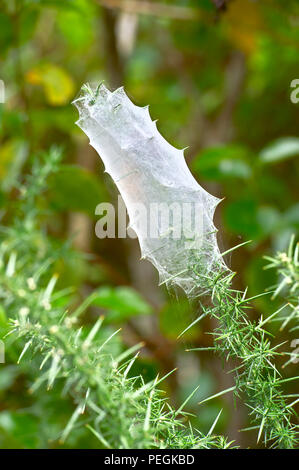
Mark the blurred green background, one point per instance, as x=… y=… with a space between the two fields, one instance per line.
x=217 y=76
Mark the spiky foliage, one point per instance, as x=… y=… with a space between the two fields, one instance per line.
x=247 y=343
x=121 y=410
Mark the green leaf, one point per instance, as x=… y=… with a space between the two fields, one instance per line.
x=121 y=302
x=8 y=375
x=223 y=162
x=28 y=22
x=75 y=188
x=58 y=4
x=241 y=218
x=246 y=217
x=12 y=158
x=280 y=150
x=268 y=218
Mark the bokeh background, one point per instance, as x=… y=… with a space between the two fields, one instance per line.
x=217 y=75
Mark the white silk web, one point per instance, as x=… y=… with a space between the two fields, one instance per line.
x=170 y=212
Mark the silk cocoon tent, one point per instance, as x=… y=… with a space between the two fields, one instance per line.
x=170 y=212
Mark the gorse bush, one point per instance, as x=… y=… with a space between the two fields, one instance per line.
x=118 y=121
x=121 y=410
x=287 y=267
x=59 y=351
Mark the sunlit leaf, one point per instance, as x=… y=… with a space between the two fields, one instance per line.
x=57 y=83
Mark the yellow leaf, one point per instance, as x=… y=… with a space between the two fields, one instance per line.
x=243 y=22
x=57 y=83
